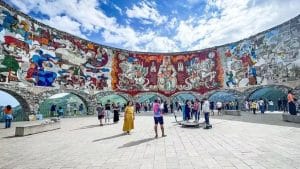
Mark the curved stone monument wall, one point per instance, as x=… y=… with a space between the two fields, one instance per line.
x=33 y=54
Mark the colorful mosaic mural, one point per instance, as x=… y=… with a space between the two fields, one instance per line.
x=33 y=54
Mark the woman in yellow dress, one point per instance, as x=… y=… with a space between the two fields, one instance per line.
x=128 y=118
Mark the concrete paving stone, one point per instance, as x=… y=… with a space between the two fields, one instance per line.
x=234 y=142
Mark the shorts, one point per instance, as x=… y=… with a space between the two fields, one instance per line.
x=100 y=117
x=219 y=108
x=159 y=120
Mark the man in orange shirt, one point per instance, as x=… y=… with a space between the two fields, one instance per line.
x=8 y=116
x=291 y=103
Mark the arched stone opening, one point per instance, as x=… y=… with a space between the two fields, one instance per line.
x=181 y=97
x=150 y=96
x=20 y=106
x=275 y=93
x=71 y=104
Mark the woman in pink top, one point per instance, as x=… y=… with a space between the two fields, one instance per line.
x=158 y=118
x=291 y=102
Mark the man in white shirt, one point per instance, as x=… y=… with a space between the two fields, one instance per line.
x=206 y=110
x=219 y=107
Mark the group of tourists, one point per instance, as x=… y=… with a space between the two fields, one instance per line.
x=104 y=112
x=71 y=109
x=129 y=115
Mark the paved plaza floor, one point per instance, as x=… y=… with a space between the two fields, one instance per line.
x=248 y=141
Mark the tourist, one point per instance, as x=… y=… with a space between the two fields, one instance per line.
x=69 y=109
x=261 y=104
x=8 y=111
x=196 y=109
x=137 y=107
x=128 y=118
x=158 y=118
x=107 y=111
x=246 y=104
x=52 y=110
x=284 y=104
x=187 y=110
x=270 y=105
x=60 y=112
x=219 y=107
x=172 y=107
x=206 y=109
x=75 y=109
x=291 y=102
x=166 y=110
x=116 y=112
x=279 y=104
x=254 y=106
x=236 y=105
x=80 y=109
x=100 y=113
x=211 y=107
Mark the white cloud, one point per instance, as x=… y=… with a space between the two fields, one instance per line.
x=67 y=24
x=224 y=21
x=238 y=20
x=118 y=8
x=146 y=11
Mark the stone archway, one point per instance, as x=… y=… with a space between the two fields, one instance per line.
x=250 y=91
x=22 y=95
x=163 y=97
x=236 y=93
x=195 y=94
x=86 y=98
x=126 y=96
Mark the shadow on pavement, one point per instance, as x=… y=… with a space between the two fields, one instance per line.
x=88 y=127
x=134 y=143
x=110 y=137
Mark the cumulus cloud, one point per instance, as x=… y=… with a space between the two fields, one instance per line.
x=146 y=11
x=222 y=21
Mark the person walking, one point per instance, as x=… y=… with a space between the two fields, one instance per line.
x=100 y=113
x=116 y=112
x=284 y=104
x=291 y=102
x=279 y=104
x=158 y=118
x=128 y=118
x=211 y=107
x=137 y=107
x=8 y=111
x=107 y=111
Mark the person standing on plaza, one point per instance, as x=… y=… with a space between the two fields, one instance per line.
x=206 y=110
x=219 y=107
x=52 y=110
x=196 y=109
x=279 y=104
x=69 y=109
x=261 y=104
x=107 y=111
x=128 y=118
x=187 y=111
x=80 y=109
x=100 y=113
x=211 y=107
x=158 y=118
x=75 y=109
x=8 y=111
x=270 y=105
x=116 y=112
x=137 y=107
x=254 y=106
x=291 y=102
x=60 y=112
x=166 y=110
x=172 y=107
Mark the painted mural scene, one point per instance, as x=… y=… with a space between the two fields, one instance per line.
x=149 y=84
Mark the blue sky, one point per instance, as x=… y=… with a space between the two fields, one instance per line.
x=7 y=99
x=160 y=26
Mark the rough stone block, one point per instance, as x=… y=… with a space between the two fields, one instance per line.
x=36 y=128
x=291 y=118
